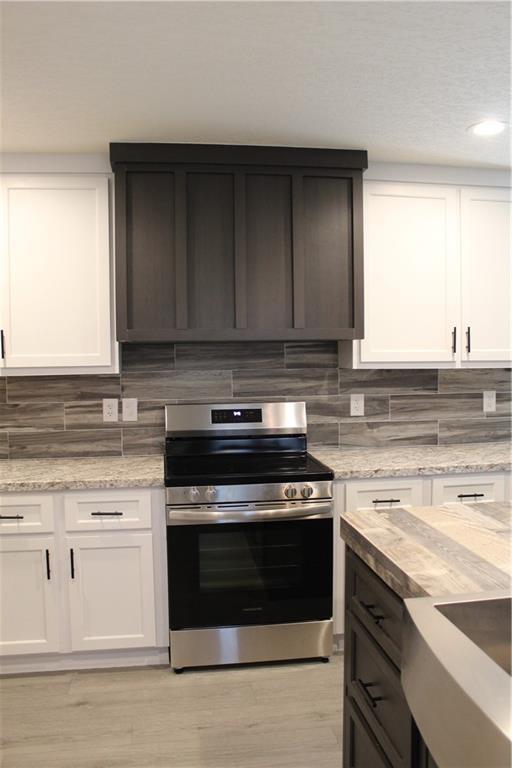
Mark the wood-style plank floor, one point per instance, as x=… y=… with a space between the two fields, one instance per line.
x=275 y=716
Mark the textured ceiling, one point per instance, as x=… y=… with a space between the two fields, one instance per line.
x=401 y=79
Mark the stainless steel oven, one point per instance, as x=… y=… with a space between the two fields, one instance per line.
x=249 y=537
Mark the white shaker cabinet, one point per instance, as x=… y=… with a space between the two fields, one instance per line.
x=111 y=594
x=29 y=614
x=486 y=274
x=55 y=272
x=411 y=273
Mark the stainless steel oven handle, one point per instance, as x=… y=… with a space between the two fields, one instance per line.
x=176 y=516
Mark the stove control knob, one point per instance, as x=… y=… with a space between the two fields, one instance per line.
x=211 y=493
x=194 y=494
x=307 y=491
x=290 y=491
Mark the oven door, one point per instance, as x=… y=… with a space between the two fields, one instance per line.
x=241 y=573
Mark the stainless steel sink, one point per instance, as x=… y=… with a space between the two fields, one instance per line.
x=456 y=676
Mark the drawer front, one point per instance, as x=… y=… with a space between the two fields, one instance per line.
x=376 y=606
x=108 y=510
x=374 y=684
x=26 y=514
x=468 y=489
x=384 y=494
x=360 y=748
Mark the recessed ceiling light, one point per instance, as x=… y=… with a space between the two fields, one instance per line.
x=487 y=128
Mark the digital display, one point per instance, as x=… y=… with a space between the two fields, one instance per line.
x=237 y=416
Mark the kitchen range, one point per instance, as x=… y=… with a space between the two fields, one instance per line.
x=249 y=535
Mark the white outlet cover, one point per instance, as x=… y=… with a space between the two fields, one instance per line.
x=489 y=404
x=357 y=405
x=110 y=409
x=130 y=409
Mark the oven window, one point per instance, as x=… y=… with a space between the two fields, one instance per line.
x=249 y=573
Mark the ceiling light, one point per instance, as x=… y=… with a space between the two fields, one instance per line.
x=487 y=128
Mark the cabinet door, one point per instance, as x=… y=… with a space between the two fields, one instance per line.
x=28 y=596
x=468 y=489
x=411 y=273
x=55 y=275
x=486 y=274
x=111 y=593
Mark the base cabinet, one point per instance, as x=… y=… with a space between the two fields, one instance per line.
x=28 y=595
x=111 y=597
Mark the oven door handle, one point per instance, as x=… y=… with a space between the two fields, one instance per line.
x=309 y=511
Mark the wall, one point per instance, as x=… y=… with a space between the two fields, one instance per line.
x=55 y=416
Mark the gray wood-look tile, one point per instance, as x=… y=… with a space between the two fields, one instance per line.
x=275 y=716
x=58 y=389
x=143 y=441
x=475 y=380
x=371 y=434
x=299 y=382
x=337 y=408
x=323 y=434
x=4 y=445
x=407 y=407
x=386 y=381
x=31 y=417
x=486 y=429
x=3 y=390
x=147 y=357
x=90 y=415
x=317 y=354
x=503 y=404
x=178 y=385
x=228 y=355
x=91 y=442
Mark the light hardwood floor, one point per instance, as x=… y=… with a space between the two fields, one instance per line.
x=276 y=716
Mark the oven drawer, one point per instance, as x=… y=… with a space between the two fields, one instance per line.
x=374 y=684
x=360 y=748
x=378 y=608
x=108 y=510
x=21 y=513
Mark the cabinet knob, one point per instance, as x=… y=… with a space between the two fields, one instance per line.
x=290 y=491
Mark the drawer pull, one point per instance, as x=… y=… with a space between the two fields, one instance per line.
x=470 y=495
x=106 y=514
x=11 y=517
x=386 y=501
x=372 y=700
x=72 y=562
x=48 y=571
x=370 y=610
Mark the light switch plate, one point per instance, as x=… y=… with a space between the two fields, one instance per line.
x=130 y=409
x=357 y=405
x=110 y=409
x=489 y=401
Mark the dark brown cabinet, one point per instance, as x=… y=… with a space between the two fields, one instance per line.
x=227 y=243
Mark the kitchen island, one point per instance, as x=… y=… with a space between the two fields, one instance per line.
x=396 y=554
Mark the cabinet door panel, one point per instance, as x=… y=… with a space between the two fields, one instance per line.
x=55 y=271
x=28 y=598
x=411 y=273
x=210 y=250
x=150 y=251
x=328 y=256
x=486 y=273
x=112 y=593
x=269 y=251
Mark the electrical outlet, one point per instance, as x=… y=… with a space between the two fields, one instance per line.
x=357 y=405
x=489 y=401
x=110 y=409
x=130 y=409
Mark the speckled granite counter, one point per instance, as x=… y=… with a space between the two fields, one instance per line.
x=414 y=460
x=442 y=550
x=73 y=474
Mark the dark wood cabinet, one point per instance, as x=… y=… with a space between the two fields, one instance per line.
x=377 y=718
x=226 y=243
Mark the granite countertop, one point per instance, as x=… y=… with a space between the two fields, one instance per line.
x=412 y=460
x=450 y=549
x=73 y=474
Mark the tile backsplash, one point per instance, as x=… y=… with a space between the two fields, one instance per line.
x=61 y=416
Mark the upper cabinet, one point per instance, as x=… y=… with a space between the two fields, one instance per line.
x=55 y=286
x=226 y=243
x=437 y=276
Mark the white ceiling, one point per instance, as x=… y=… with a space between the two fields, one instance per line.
x=401 y=79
